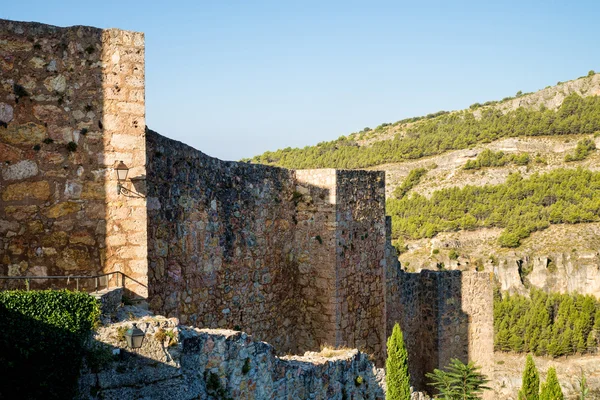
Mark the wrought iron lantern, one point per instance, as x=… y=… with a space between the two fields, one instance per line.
x=134 y=337
x=122 y=171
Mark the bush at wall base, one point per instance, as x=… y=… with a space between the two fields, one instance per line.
x=42 y=335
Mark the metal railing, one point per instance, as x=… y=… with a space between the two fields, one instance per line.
x=76 y=278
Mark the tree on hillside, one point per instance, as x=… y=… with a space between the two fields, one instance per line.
x=396 y=364
x=551 y=388
x=530 y=389
x=459 y=381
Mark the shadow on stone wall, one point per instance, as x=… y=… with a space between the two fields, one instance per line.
x=72 y=105
x=444 y=315
x=278 y=253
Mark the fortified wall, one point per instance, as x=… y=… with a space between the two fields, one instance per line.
x=284 y=255
x=300 y=259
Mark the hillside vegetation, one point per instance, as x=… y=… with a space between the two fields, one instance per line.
x=477 y=182
x=521 y=206
x=547 y=324
x=457 y=130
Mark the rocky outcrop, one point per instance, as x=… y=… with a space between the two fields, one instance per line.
x=576 y=272
x=564 y=258
x=180 y=362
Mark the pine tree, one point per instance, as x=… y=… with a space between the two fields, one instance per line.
x=551 y=388
x=397 y=377
x=530 y=389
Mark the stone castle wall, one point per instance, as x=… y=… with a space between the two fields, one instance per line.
x=361 y=265
x=301 y=259
x=220 y=242
x=220 y=364
x=71 y=104
x=314 y=251
x=280 y=254
x=444 y=315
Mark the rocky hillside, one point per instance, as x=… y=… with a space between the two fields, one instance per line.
x=543 y=244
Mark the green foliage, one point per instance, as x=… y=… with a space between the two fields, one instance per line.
x=397 y=377
x=441 y=132
x=98 y=356
x=246 y=367
x=521 y=206
x=584 y=390
x=489 y=158
x=551 y=388
x=41 y=341
x=582 y=151
x=530 y=388
x=547 y=324
x=453 y=255
x=412 y=180
x=399 y=245
x=459 y=381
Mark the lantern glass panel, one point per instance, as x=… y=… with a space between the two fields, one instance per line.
x=122 y=174
x=137 y=341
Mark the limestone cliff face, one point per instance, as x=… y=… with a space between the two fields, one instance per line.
x=577 y=272
x=563 y=258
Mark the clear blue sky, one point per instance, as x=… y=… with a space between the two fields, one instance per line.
x=237 y=78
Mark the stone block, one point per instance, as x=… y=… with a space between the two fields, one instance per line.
x=29 y=190
x=25 y=134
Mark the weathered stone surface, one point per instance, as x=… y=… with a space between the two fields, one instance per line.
x=443 y=315
x=6 y=113
x=10 y=154
x=21 y=170
x=62 y=209
x=73 y=259
x=56 y=84
x=30 y=190
x=180 y=362
x=81 y=237
x=55 y=239
x=64 y=99
x=29 y=133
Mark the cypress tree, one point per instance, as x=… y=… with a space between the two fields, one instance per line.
x=396 y=364
x=530 y=389
x=551 y=388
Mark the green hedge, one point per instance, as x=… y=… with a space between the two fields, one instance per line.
x=41 y=341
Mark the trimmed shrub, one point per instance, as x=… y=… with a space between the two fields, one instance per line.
x=41 y=341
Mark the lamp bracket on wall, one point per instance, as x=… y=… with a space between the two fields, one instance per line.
x=122 y=171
